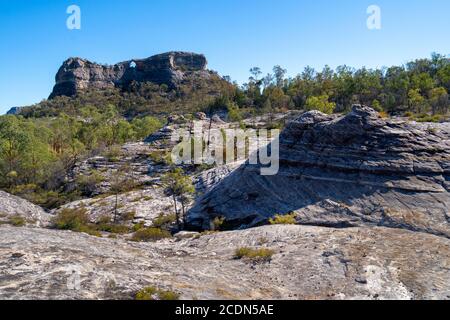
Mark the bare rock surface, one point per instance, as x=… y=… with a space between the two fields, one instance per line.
x=12 y=206
x=308 y=263
x=342 y=171
x=171 y=69
x=140 y=206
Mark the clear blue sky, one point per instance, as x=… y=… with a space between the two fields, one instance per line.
x=235 y=35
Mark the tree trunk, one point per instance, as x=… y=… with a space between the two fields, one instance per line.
x=115 y=208
x=176 y=211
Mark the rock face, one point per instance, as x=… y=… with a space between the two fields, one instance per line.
x=168 y=68
x=343 y=171
x=12 y=206
x=308 y=263
x=15 y=110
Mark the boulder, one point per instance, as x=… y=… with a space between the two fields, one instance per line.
x=343 y=171
x=19 y=211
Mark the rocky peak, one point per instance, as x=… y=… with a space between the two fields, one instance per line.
x=169 y=68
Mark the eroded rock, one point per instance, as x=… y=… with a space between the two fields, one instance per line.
x=342 y=171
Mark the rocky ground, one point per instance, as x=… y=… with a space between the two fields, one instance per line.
x=372 y=203
x=308 y=263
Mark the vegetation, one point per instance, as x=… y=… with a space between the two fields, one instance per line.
x=152 y=293
x=179 y=186
x=17 y=221
x=37 y=154
x=39 y=148
x=283 y=219
x=254 y=255
x=150 y=234
x=77 y=220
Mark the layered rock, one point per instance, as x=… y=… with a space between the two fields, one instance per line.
x=13 y=208
x=170 y=68
x=343 y=171
x=308 y=263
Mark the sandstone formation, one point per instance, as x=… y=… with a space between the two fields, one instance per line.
x=170 y=68
x=308 y=263
x=13 y=207
x=343 y=171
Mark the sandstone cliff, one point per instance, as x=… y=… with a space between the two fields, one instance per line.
x=343 y=171
x=170 y=68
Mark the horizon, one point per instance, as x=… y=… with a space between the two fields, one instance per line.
x=38 y=39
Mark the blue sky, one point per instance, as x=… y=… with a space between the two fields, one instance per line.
x=235 y=35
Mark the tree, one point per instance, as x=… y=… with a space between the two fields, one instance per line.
x=256 y=73
x=416 y=101
x=279 y=74
x=321 y=104
x=179 y=186
x=439 y=100
x=14 y=142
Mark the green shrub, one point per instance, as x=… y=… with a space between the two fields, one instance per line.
x=255 y=255
x=71 y=219
x=164 y=221
x=283 y=219
x=218 y=223
x=138 y=226
x=17 y=221
x=152 y=293
x=150 y=234
x=113 y=228
x=75 y=220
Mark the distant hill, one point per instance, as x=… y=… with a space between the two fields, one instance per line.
x=161 y=84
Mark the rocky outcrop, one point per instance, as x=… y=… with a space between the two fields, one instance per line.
x=16 y=210
x=170 y=68
x=343 y=171
x=308 y=263
x=14 y=111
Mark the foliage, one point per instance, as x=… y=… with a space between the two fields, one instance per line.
x=255 y=255
x=152 y=293
x=17 y=221
x=320 y=103
x=283 y=219
x=179 y=186
x=150 y=234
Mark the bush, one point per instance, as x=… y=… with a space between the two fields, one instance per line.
x=150 y=234
x=17 y=221
x=75 y=220
x=164 y=221
x=152 y=293
x=218 y=223
x=283 y=219
x=71 y=219
x=256 y=255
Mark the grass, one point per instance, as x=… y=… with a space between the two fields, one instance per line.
x=163 y=221
x=77 y=220
x=150 y=234
x=283 y=219
x=17 y=221
x=254 y=255
x=152 y=293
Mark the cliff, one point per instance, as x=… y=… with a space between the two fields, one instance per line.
x=343 y=171
x=170 y=68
